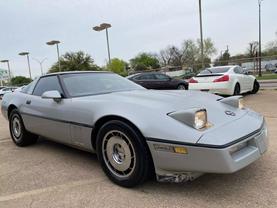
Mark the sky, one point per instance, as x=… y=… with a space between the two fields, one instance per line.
x=137 y=26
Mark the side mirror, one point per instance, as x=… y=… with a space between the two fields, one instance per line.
x=53 y=94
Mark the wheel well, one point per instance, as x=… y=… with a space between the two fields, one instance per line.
x=106 y=119
x=237 y=83
x=183 y=84
x=11 y=107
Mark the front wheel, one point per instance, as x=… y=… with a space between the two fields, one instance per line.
x=123 y=154
x=256 y=87
x=20 y=136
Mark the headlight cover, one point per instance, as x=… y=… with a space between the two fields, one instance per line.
x=195 y=118
x=235 y=101
x=200 y=119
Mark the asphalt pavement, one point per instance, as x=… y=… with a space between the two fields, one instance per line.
x=48 y=174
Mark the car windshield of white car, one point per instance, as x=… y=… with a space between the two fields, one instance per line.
x=83 y=84
x=215 y=70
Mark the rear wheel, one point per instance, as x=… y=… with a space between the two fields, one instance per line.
x=181 y=87
x=123 y=154
x=256 y=87
x=237 y=89
x=20 y=136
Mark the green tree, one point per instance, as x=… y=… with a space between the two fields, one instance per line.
x=271 y=48
x=208 y=47
x=20 y=80
x=224 y=59
x=190 y=53
x=252 y=49
x=117 y=66
x=144 y=61
x=75 y=61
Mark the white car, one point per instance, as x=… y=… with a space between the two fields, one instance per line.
x=225 y=80
x=5 y=90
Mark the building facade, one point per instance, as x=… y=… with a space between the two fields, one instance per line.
x=4 y=76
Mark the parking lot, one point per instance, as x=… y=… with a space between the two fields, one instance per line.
x=53 y=175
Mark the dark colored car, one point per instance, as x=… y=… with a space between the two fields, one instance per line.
x=159 y=81
x=188 y=75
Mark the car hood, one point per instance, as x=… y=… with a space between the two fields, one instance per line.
x=164 y=102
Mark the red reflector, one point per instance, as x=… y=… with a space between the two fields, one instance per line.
x=224 y=78
x=193 y=80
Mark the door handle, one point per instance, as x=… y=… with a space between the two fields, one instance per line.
x=28 y=102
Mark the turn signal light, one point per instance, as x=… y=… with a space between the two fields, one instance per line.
x=224 y=78
x=193 y=80
x=180 y=150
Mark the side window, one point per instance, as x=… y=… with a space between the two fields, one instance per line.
x=162 y=77
x=47 y=84
x=30 y=87
x=240 y=70
x=147 y=77
x=237 y=70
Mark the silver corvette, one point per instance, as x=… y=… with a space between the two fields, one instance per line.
x=174 y=135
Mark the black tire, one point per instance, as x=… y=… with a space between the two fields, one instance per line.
x=237 y=89
x=21 y=137
x=140 y=166
x=182 y=87
x=256 y=87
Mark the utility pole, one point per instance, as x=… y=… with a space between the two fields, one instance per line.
x=260 y=42
x=201 y=35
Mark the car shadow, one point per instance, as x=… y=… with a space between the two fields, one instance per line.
x=206 y=187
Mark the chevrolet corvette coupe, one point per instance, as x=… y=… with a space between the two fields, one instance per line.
x=174 y=135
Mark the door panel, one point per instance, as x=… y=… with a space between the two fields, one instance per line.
x=47 y=118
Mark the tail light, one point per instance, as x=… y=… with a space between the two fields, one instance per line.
x=224 y=78
x=193 y=80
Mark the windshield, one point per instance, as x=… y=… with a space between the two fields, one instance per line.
x=96 y=83
x=215 y=70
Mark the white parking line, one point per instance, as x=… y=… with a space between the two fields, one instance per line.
x=47 y=189
x=5 y=140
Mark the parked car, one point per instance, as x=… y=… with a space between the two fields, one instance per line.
x=5 y=90
x=225 y=80
x=188 y=75
x=275 y=71
x=155 y=80
x=177 y=135
x=270 y=67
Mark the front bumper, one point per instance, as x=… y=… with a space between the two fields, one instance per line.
x=201 y=159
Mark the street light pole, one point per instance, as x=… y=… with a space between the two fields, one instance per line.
x=28 y=61
x=9 y=69
x=108 y=45
x=56 y=42
x=260 y=43
x=201 y=35
x=105 y=26
x=40 y=63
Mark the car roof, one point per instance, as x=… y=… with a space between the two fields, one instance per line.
x=74 y=72
x=142 y=73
